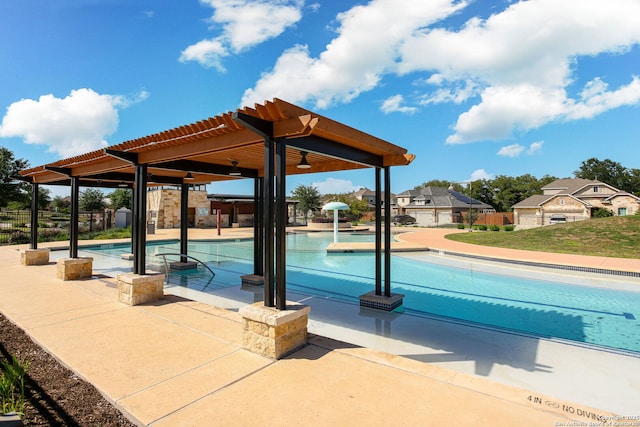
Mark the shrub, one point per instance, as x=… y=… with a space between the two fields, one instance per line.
x=602 y=213
x=12 y=385
x=461 y=226
x=508 y=228
x=494 y=227
x=19 y=238
x=482 y=227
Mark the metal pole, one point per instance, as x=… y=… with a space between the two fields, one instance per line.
x=470 y=217
x=387 y=232
x=35 y=193
x=258 y=227
x=378 y=233
x=268 y=223
x=73 y=225
x=134 y=225
x=281 y=225
x=141 y=195
x=184 y=219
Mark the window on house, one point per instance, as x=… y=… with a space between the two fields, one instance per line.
x=595 y=188
x=622 y=211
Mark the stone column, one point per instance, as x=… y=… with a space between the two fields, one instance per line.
x=34 y=256
x=274 y=333
x=135 y=289
x=75 y=268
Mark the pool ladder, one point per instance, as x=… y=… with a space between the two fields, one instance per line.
x=164 y=256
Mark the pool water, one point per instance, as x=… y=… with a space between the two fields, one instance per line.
x=597 y=316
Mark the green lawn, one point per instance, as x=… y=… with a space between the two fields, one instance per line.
x=611 y=237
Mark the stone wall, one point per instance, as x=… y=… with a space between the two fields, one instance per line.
x=163 y=207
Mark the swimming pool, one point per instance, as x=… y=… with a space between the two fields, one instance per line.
x=546 y=309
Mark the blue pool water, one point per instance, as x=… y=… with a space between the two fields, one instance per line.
x=597 y=316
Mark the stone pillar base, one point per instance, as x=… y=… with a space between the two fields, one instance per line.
x=274 y=333
x=135 y=289
x=34 y=256
x=75 y=268
x=381 y=302
x=179 y=265
x=252 y=279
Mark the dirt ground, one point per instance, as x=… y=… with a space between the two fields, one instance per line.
x=54 y=395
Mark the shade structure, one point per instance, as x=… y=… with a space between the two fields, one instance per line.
x=265 y=143
x=335 y=207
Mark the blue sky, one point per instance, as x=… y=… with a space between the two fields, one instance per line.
x=474 y=89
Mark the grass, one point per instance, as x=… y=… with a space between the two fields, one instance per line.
x=617 y=237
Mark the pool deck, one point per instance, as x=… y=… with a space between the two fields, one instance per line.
x=180 y=362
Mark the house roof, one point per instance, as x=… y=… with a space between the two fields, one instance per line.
x=207 y=149
x=532 y=201
x=568 y=187
x=572 y=185
x=440 y=197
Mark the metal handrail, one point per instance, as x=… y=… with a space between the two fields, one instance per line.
x=166 y=265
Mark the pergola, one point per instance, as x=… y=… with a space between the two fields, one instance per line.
x=265 y=143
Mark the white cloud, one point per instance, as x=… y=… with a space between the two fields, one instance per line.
x=207 y=52
x=68 y=126
x=517 y=65
x=335 y=186
x=394 y=103
x=480 y=174
x=596 y=99
x=524 y=55
x=245 y=23
x=535 y=147
x=354 y=61
x=456 y=92
x=513 y=150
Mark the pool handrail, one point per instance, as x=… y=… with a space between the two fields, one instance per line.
x=166 y=266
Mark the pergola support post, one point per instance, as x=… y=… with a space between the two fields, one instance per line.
x=257 y=278
x=35 y=193
x=375 y=299
x=140 y=188
x=281 y=224
x=73 y=224
x=387 y=232
x=378 y=255
x=184 y=263
x=268 y=222
x=258 y=227
x=33 y=255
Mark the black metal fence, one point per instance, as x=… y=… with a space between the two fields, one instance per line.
x=15 y=226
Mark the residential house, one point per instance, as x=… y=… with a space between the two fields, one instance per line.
x=568 y=200
x=370 y=197
x=437 y=206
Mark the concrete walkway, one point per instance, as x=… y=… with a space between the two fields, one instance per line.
x=181 y=363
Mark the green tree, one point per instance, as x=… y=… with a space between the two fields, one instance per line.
x=10 y=166
x=91 y=200
x=308 y=199
x=607 y=171
x=507 y=191
x=121 y=198
x=357 y=207
x=44 y=199
x=437 y=183
x=60 y=204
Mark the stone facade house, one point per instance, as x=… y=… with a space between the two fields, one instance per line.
x=572 y=199
x=163 y=207
x=437 y=206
